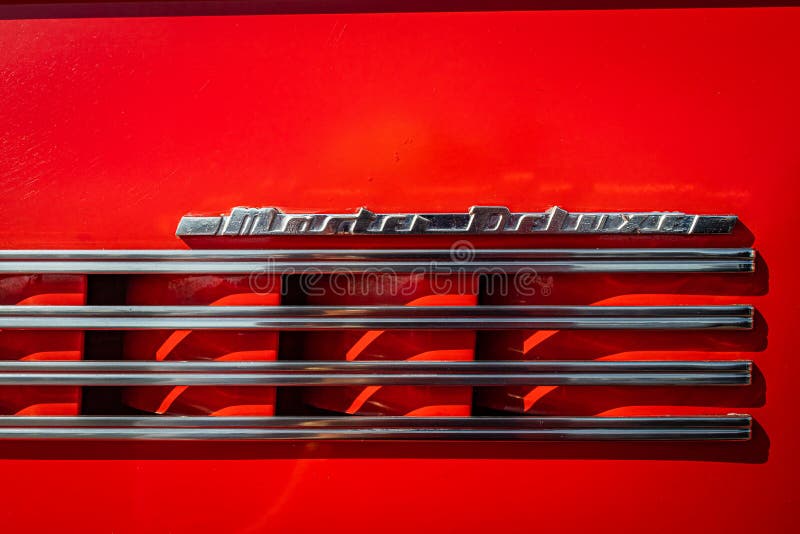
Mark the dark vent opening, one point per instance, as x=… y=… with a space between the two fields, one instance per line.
x=103 y=290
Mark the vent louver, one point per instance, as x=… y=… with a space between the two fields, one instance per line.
x=319 y=372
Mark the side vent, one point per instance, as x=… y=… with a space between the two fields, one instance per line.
x=225 y=314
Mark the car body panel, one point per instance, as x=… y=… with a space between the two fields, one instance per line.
x=114 y=128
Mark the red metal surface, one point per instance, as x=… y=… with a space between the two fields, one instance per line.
x=114 y=128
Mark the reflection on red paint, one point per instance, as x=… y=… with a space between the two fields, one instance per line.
x=200 y=345
x=32 y=345
x=409 y=290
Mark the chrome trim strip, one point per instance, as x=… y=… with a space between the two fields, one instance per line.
x=387 y=421
x=401 y=254
x=725 y=427
x=678 y=260
x=375 y=317
x=301 y=373
x=730 y=310
x=388 y=366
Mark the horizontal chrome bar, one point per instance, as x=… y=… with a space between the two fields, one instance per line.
x=680 y=260
x=298 y=373
x=375 y=254
x=524 y=421
x=360 y=366
x=729 y=427
x=375 y=317
x=734 y=310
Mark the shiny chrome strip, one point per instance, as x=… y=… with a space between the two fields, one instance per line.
x=374 y=254
x=301 y=373
x=726 y=427
x=375 y=317
x=679 y=260
x=733 y=310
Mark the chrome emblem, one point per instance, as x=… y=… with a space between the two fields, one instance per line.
x=244 y=221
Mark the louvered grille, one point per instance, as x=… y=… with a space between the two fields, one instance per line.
x=202 y=329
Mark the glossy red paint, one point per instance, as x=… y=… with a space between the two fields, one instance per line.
x=114 y=128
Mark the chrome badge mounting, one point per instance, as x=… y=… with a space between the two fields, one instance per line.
x=243 y=221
